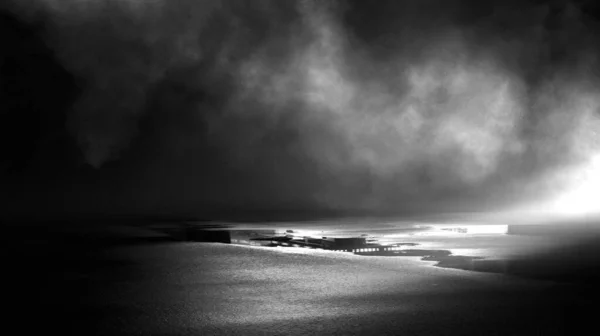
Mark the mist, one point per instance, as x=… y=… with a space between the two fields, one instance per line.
x=414 y=107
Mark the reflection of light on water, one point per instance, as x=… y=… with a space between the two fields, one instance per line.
x=450 y=229
x=582 y=198
x=488 y=229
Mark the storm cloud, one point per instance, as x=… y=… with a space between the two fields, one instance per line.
x=412 y=106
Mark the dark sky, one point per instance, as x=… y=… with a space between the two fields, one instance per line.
x=203 y=107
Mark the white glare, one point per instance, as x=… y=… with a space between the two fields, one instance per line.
x=582 y=199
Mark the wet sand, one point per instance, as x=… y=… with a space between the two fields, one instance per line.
x=153 y=286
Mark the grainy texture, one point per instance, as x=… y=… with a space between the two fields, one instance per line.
x=214 y=289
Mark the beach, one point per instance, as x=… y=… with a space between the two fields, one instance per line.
x=187 y=288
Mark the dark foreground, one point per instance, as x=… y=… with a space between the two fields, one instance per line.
x=152 y=285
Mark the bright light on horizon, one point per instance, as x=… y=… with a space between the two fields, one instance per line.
x=582 y=198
